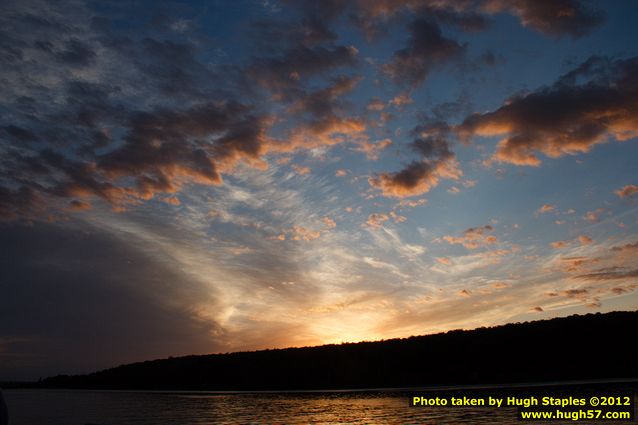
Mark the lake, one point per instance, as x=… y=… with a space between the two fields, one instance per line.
x=69 y=407
x=62 y=407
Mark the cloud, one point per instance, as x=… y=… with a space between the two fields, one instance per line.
x=464 y=293
x=376 y=220
x=372 y=149
x=559 y=244
x=566 y=118
x=427 y=48
x=328 y=222
x=79 y=205
x=593 y=216
x=437 y=161
x=577 y=264
x=375 y=104
x=281 y=74
x=555 y=18
x=323 y=118
x=572 y=293
x=15 y=203
x=137 y=114
x=411 y=203
x=585 y=240
x=612 y=273
x=546 y=208
x=302 y=171
x=627 y=191
x=303 y=233
x=626 y=247
x=401 y=100
x=165 y=146
x=474 y=237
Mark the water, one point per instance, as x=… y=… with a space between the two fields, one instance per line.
x=67 y=407
x=61 y=407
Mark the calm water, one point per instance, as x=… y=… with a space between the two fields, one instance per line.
x=57 y=407
x=65 y=407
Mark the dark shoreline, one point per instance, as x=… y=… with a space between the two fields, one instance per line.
x=576 y=348
x=620 y=382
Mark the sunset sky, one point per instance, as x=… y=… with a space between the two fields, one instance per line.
x=211 y=176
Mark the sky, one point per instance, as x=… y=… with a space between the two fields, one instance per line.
x=212 y=176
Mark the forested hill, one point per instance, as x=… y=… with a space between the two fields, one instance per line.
x=593 y=346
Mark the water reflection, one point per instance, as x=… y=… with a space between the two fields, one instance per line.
x=37 y=407
x=30 y=407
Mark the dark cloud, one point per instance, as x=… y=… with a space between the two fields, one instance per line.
x=551 y=17
x=157 y=118
x=283 y=72
x=612 y=273
x=78 y=300
x=426 y=49
x=173 y=67
x=565 y=118
x=18 y=202
x=626 y=247
x=166 y=146
x=275 y=35
x=415 y=179
x=555 y=18
x=161 y=151
x=436 y=161
x=323 y=114
x=19 y=134
x=76 y=53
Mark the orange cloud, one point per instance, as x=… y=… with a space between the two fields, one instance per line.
x=564 y=119
x=593 y=216
x=401 y=100
x=375 y=105
x=372 y=149
x=79 y=205
x=412 y=203
x=416 y=179
x=328 y=222
x=627 y=191
x=546 y=208
x=473 y=237
x=626 y=247
x=300 y=170
x=173 y=200
x=559 y=17
x=376 y=220
x=577 y=264
x=585 y=240
x=303 y=233
x=559 y=244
